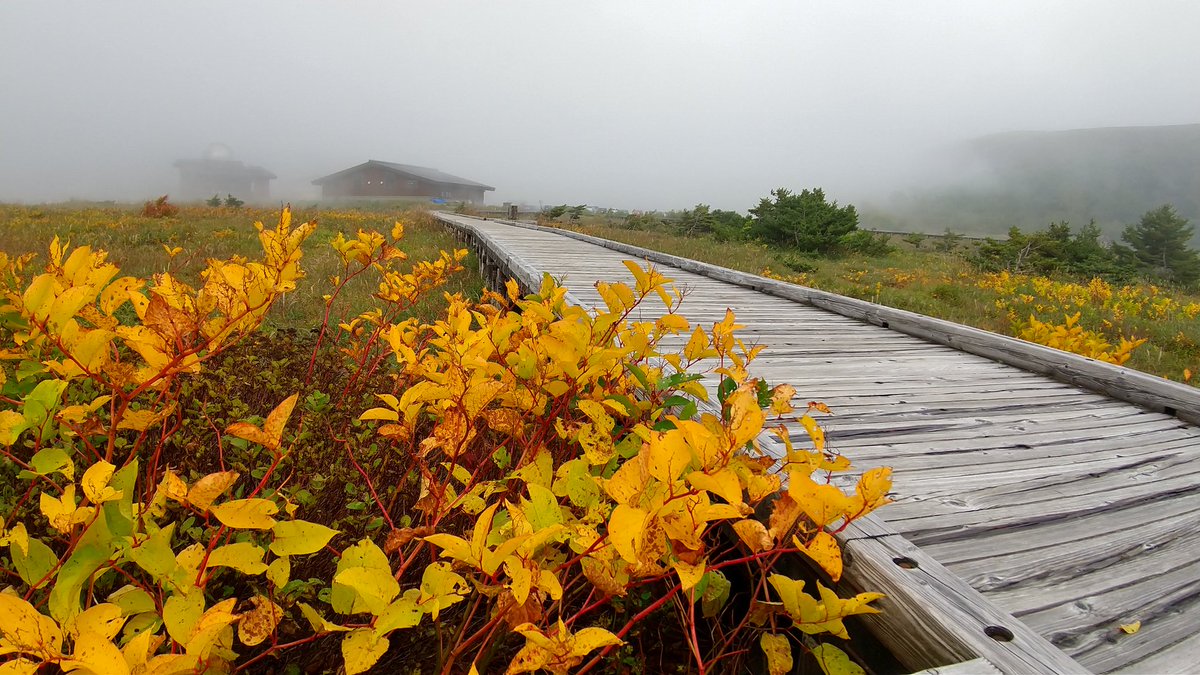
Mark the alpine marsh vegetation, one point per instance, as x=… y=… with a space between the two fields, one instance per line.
x=504 y=483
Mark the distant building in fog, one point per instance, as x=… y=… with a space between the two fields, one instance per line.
x=386 y=179
x=217 y=173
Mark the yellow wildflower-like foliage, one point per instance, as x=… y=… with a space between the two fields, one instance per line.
x=558 y=464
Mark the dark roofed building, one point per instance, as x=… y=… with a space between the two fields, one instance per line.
x=374 y=178
x=217 y=173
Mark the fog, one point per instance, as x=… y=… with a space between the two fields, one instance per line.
x=631 y=104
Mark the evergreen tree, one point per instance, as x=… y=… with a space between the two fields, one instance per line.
x=1159 y=245
x=805 y=222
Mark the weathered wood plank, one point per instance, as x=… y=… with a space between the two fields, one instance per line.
x=1122 y=383
x=1081 y=541
x=930 y=614
x=1166 y=658
x=972 y=667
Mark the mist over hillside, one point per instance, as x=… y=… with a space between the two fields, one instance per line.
x=1032 y=178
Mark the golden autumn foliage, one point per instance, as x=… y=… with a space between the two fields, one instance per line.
x=559 y=464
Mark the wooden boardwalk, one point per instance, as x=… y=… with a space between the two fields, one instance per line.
x=1068 y=509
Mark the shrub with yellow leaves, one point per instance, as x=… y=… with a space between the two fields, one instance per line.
x=567 y=479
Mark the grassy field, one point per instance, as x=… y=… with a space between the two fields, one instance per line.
x=139 y=245
x=946 y=285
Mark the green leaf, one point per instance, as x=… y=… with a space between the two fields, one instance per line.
x=574 y=480
x=673 y=380
x=154 y=554
x=640 y=376
x=181 y=613
x=501 y=458
x=727 y=387
x=29 y=368
x=132 y=600
x=716 y=593
x=74 y=574
x=41 y=401
x=34 y=563
x=53 y=460
x=542 y=507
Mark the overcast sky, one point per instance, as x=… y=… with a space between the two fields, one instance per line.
x=636 y=104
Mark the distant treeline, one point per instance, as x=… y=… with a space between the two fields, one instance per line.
x=1027 y=179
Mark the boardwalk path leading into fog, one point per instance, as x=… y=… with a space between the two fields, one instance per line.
x=1068 y=509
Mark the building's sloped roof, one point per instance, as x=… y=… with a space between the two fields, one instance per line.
x=424 y=172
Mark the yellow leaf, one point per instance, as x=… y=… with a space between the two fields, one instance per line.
x=62 y=513
x=626 y=526
x=318 y=622
x=590 y=639
x=12 y=423
x=668 y=456
x=779 y=653
x=628 y=483
x=171 y=664
x=520 y=578
x=104 y=620
x=279 y=572
x=298 y=537
x=781 y=399
x=273 y=427
x=834 y=661
x=724 y=483
x=1131 y=628
x=784 y=512
x=405 y=612
x=242 y=556
x=745 y=417
x=27 y=629
x=822 y=503
x=824 y=551
x=363 y=581
x=673 y=323
x=138 y=420
x=207 y=489
x=247 y=514
x=259 y=623
x=208 y=629
x=138 y=649
x=384 y=414
x=97 y=654
x=753 y=534
x=440 y=588
x=95 y=482
x=815 y=432
x=689 y=575
x=697 y=346
x=362 y=649
x=871 y=490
